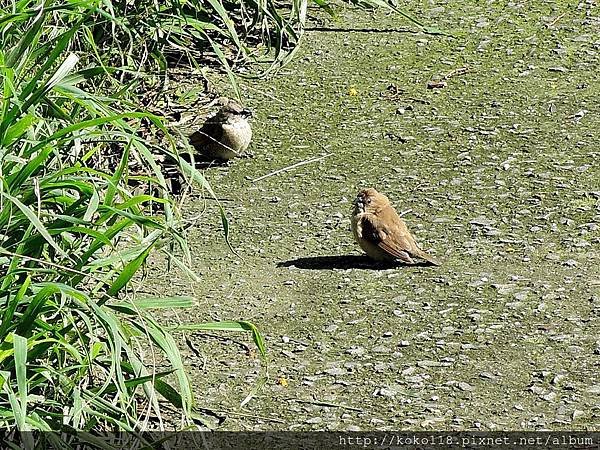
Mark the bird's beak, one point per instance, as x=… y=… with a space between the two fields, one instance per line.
x=247 y=113
x=359 y=203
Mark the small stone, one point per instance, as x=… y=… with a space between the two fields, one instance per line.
x=550 y=396
x=356 y=351
x=314 y=420
x=464 y=386
x=335 y=371
x=595 y=389
x=380 y=367
x=287 y=353
x=404 y=343
x=409 y=371
x=482 y=221
x=435 y=84
x=383 y=392
x=427 y=363
x=536 y=390
x=521 y=296
x=381 y=349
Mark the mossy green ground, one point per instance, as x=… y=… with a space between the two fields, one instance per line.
x=500 y=172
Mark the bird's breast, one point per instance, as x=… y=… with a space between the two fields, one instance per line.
x=237 y=135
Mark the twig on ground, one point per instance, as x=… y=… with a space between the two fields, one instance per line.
x=455 y=73
x=329 y=404
x=293 y=166
x=548 y=25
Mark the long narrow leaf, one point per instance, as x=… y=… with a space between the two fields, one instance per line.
x=36 y=223
x=129 y=271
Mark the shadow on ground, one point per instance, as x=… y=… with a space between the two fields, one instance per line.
x=341 y=262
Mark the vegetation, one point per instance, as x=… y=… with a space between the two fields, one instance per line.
x=79 y=350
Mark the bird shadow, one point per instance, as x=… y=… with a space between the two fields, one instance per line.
x=341 y=262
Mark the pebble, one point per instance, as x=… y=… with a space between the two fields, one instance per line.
x=335 y=371
x=409 y=371
x=380 y=367
x=428 y=363
x=356 y=351
x=536 y=390
x=384 y=392
x=381 y=349
x=521 y=296
x=464 y=386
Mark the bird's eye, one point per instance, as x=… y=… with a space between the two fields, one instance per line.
x=368 y=200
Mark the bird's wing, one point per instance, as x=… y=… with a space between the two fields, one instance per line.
x=210 y=132
x=390 y=241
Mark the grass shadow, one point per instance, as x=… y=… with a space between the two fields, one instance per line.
x=360 y=30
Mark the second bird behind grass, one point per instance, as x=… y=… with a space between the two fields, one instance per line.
x=227 y=134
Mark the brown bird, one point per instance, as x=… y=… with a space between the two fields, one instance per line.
x=381 y=233
x=225 y=135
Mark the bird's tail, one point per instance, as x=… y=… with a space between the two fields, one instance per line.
x=427 y=257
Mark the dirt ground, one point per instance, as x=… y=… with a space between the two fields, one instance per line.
x=498 y=171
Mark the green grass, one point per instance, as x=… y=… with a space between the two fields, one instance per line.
x=78 y=350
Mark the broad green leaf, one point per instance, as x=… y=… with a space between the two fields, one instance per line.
x=129 y=271
x=17 y=130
